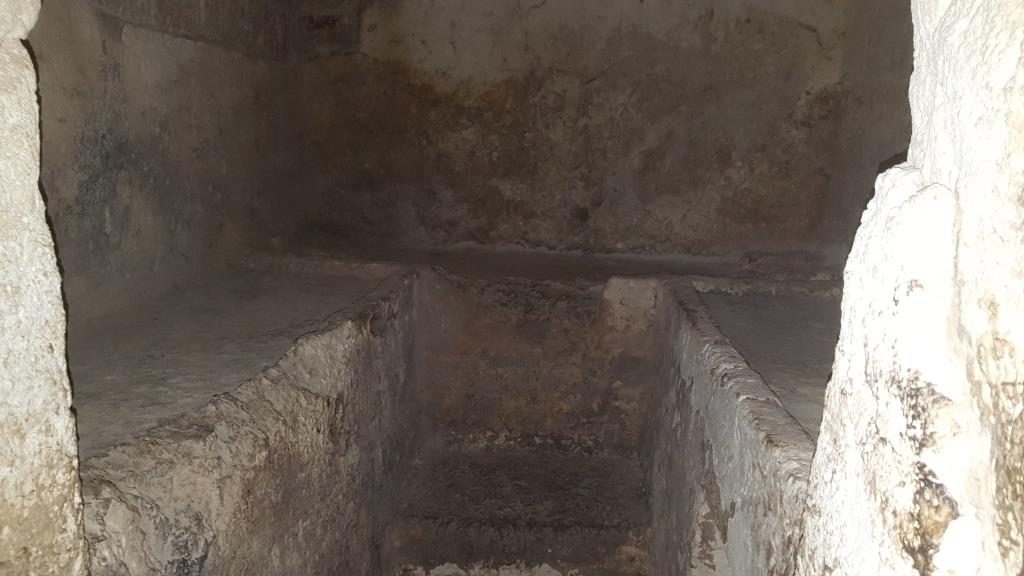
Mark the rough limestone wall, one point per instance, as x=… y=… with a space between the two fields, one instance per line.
x=291 y=473
x=919 y=463
x=40 y=502
x=153 y=147
x=524 y=359
x=728 y=467
x=874 y=133
x=619 y=126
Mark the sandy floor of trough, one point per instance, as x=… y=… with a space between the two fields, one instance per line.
x=153 y=360
x=790 y=340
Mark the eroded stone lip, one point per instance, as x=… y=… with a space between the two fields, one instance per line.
x=193 y=493
x=157 y=359
x=786 y=331
x=744 y=456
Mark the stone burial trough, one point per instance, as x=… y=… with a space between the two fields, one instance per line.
x=304 y=417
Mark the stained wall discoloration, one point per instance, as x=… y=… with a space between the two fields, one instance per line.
x=547 y=359
x=874 y=130
x=40 y=501
x=257 y=28
x=173 y=137
x=619 y=127
x=150 y=149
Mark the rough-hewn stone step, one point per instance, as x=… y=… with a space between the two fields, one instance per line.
x=523 y=505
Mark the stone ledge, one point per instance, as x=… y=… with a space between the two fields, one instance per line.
x=766 y=287
x=272 y=477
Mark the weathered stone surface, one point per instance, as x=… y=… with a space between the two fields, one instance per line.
x=168 y=146
x=661 y=126
x=536 y=392
x=249 y=26
x=892 y=356
x=729 y=466
x=40 y=504
x=296 y=471
x=17 y=17
x=525 y=358
x=576 y=507
x=288 y=474
x=918 y=469
x=789 y=339
x=176 y=351
x=325 y=28
x=153 y=147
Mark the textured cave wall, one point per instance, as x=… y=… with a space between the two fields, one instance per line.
x=527 y=359
x=874 y=130
x=153 y=147
x=920 y=463
x=293 y=472
x=40 y=501
x=624 y=126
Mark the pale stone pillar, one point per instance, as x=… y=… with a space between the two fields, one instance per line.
x=920 y=462
x=40 y=501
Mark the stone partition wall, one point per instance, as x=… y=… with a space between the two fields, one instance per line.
x=294 y=472
x=40 y=502
x=920 y=462
x=728 y=465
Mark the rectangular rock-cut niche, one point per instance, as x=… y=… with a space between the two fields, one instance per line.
x=536 y=393
x=455 y=424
